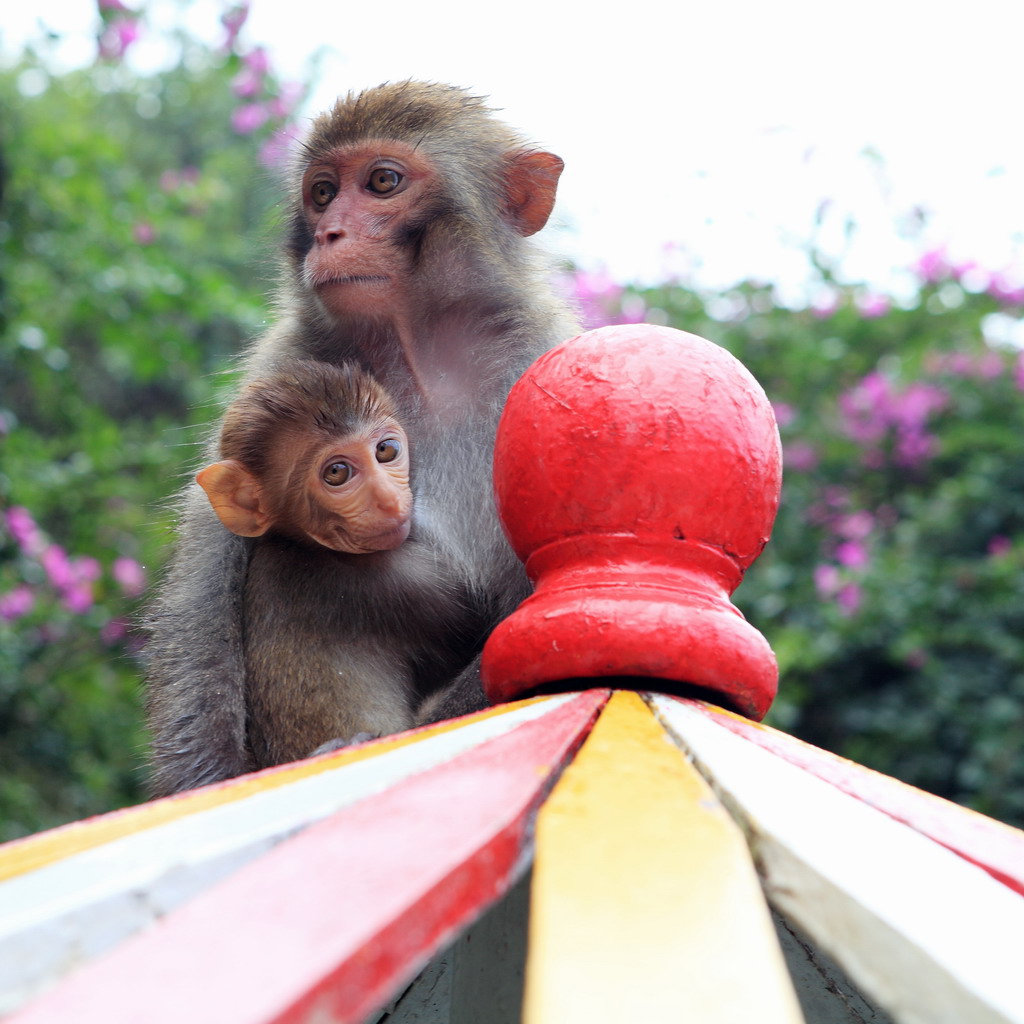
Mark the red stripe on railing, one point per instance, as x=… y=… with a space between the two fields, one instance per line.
x=984 y=842
x=329 y=924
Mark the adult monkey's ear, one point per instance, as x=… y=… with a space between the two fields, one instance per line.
x=235 y=495
x=531 y=180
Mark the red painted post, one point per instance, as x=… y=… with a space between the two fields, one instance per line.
x=637 y=472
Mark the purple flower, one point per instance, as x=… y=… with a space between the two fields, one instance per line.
x=247 y=83
x=784 y=413
x=826 y=580
x=933 y=266
x=873 y=306
x=855 y=526
x=287 y=99
x=23 y=529
x=58 y=567
x=999 y=546
x=16 y=603
x=118 y=36
x=114 y=630
x=130 y=576
x=849 y=598
x=248 y=117
x=1006 y=291
x=233 y=20
x=825 y=305
x=873 y=411
x=77 y=598
x=852 y=553
x=800 y=457
x=257 y=61
x=85 y=567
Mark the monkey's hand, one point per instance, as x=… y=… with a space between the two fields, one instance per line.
x=339 y=744
x=462 y=696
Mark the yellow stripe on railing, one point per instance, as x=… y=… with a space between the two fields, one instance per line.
x=645 y=903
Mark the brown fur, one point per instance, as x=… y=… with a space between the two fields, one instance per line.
x=407 y=625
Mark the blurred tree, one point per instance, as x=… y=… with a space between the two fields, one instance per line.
x=133 y=210
x=132 y=214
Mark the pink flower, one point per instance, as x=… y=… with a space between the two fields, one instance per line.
x=130 y=576
x=85 y=567
x=855 y=526
x=58 y=567
x=825 y=306
x=999 y=546
x=873 y=306
x=77 y=598
x=784 y=413
x=247 y=83
x=933 y=266
x=1006 y=291
x=23 y=529
x=277 y=150
x=110 y=5
x=800 y=457
x=849 y=598
x=248 y=117
x=826 y=580
x=873 y=411
x=16 y=603
x=144 y=233
x=233 y=20
x=287 y=99
x=118 y=36
x=257 y=61
x=852 y=553
x=114 y=630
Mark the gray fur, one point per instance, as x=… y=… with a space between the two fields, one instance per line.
x=408 y=624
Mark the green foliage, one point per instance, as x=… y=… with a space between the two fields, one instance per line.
x=133 y=211
x=893 y=588
x=132 y=216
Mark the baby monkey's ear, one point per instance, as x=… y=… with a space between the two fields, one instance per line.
x=236 y=497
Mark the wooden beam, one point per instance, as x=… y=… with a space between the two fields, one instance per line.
x=21 y=855
x=76 y=906
x=991 y=845
x=330 y=923
x=645 y=904
x=934 y=939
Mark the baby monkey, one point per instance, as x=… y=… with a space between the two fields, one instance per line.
x=314 y=453
x=315 y=467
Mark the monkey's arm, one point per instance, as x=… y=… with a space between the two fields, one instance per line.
x=195 y=669
x=462 y=696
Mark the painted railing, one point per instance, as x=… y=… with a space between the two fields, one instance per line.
x=568 y=858
x=601 y=856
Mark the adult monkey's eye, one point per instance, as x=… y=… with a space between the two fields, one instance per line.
x=336 y=474
x=322 y=193
x=389 y=449
x=383 y=180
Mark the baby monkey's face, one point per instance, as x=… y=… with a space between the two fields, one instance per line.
x=357 y=490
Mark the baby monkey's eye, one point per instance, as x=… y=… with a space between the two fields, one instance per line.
x=389 y=449
x=322 y=193
x=336 y=474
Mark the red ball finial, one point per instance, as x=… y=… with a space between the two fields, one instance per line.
x=637 y=472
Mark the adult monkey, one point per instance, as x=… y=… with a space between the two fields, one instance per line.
x=407 y=255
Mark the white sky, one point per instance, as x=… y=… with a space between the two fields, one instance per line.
x=717 y=126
